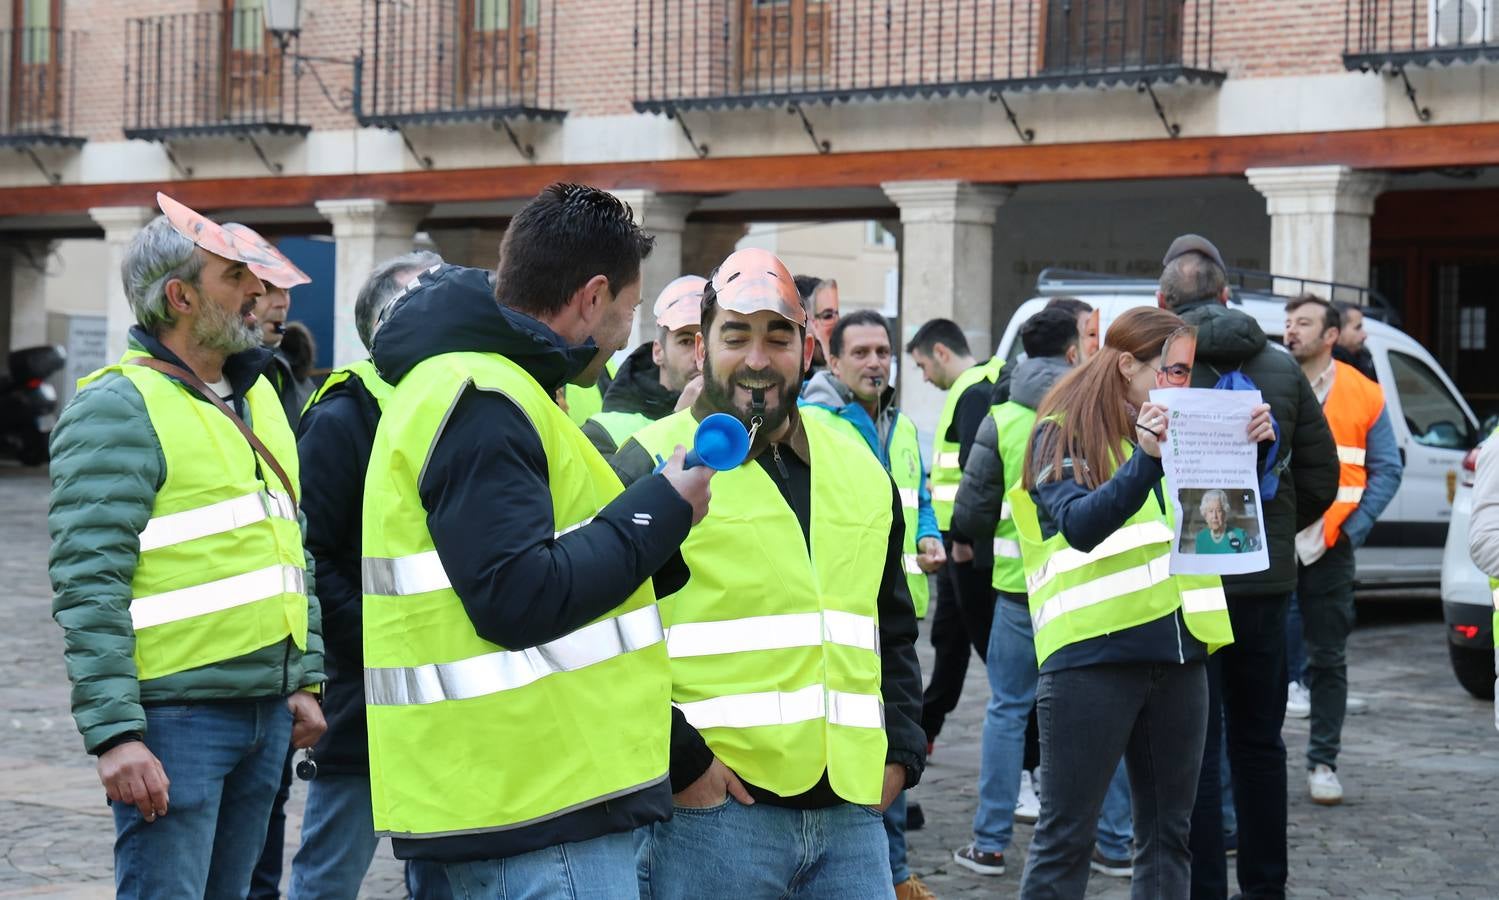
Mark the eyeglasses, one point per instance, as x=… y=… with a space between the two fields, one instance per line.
x=827 y=315
x=1176 y=374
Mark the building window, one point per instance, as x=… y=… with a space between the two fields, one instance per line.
x=1101 y=35
x=784 y=43
x=877 y=235
x=499 y=49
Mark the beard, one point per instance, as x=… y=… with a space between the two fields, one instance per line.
x=720 y=395
x=218 y=329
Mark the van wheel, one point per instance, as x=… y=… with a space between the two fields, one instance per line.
x=1474 y=668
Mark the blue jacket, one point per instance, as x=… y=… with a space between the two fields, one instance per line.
x=1382 y=462
x=825 y=390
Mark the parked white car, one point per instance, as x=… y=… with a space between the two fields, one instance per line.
x=1467 y=607
x=1433 y=426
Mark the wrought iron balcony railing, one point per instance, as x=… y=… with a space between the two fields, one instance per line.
x=1385 y=34
x=209 y=73
x=455 y=60
x=37 y=105
x=727 y=53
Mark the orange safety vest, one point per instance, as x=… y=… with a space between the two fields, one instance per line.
x=1352 y=407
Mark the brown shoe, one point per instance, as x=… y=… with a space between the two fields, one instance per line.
x=914 y=888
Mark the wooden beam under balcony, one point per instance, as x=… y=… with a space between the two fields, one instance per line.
x=1426 y=147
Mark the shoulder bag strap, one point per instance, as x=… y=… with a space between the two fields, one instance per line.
x=193 y=381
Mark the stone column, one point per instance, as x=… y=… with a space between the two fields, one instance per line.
x=665 y=216
x=1319 y=221
x=947 y=249
x=28 y=294
x=120 y=224
x=366 y=232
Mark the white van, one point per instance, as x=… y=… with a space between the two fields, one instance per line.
x=1433 y=426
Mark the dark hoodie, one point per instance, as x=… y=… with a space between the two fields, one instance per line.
x=489 y=510
x=1228 y=339
x=636 y=388
x=981 y=493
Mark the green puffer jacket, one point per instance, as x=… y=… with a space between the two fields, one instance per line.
x=107 y=466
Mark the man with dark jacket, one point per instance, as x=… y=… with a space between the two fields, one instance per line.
x=516 y=678
x=650 y=383
x=965 y=608
x=1250 y=672
x=795 y=682
x=190 y=623
x=337 y=430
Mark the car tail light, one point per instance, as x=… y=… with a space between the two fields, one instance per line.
x=1470 y=467
x=1470 y=632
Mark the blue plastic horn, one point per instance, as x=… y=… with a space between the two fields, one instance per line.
x=720 y=443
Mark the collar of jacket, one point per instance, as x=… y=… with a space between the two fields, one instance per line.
x=240 y=369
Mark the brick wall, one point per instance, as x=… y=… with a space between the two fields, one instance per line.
x=587 y=46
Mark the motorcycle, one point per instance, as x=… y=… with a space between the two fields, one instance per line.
x=28 y=404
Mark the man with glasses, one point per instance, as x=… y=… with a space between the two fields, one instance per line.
x=1246 y=679
x=820 y=297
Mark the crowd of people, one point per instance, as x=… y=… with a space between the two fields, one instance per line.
x=473 y=591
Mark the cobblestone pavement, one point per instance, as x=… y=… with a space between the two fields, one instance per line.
x=1420 y=819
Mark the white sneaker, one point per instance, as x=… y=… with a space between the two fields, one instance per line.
x=1357 y=706
x=1324 y=785
x=1298 y=701
x=1027 y=804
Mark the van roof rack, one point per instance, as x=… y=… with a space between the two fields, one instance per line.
x=1054 y=281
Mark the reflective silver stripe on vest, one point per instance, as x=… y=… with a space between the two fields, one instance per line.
x=216 y=596
x=908 y=498
x=215 y=518
x=417 y=573
x=504 y=670
x=1354 y=456
x=687 y=639
x=1006 y=548
x=947 y=460
x=414 y=574
x=1496 y=598
x=1101 y=590
x=945 y=493
x=1004 y=511
x=1349 y=494
x=786 y=708
x=1204 y=600
x=1067 y=559
x=572 y=528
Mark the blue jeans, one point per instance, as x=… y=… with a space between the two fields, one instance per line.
x=600 y=869
x=1011 y=662
x=338 y=842
x=732 y=851
x=895 y=836
x=1295 y=643
x=224 y=763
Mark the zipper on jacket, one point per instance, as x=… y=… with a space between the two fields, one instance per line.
x=775 y=452
x=286 y=667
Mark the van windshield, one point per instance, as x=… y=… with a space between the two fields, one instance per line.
x=1433 y=415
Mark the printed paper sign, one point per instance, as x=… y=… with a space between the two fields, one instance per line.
x=1211 y=477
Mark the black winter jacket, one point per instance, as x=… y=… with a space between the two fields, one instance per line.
x=489 y=510
x=333 y=443
x=981 y=494
x=1228 y=339
x=636 y=388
